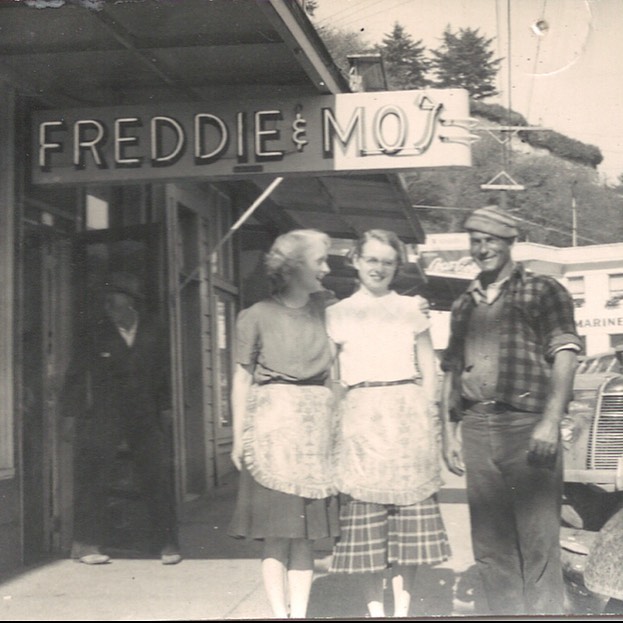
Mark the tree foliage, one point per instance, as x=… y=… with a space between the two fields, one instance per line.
x=464 y=60
x=405 y=62
x=556 y=143
x=544 y=206
x=342 y=43
x=310 y=6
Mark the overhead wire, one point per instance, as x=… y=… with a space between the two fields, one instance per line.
x=384 y=9
x=539 y=37
x=348 y=9
x=506 y=148
x=524 y=220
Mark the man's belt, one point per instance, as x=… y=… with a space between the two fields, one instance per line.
x=299 y=382
x=383 y=383
x=485 y=406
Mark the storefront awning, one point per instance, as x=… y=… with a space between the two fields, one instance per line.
x=79 y=53
x=104 y=53
x=342 y=206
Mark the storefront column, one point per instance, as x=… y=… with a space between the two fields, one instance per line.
x=10 y=527
x=7 y=221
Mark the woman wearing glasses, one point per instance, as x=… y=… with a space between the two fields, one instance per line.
x=387 y=454
x=284 y=420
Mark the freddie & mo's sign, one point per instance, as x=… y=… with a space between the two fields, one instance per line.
x=223 y=139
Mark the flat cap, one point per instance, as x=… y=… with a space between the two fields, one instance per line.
x=126 y=283
x=492 y=220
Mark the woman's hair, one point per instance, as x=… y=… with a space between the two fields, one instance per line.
x=287 y=254
x=386 y=237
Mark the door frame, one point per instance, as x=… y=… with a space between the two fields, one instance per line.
x=177 y=280
x=204 y=203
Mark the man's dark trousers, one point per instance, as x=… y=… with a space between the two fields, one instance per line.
x=97 y=447
x=515 y=512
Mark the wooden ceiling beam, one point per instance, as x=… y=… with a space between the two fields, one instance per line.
x=130 y=42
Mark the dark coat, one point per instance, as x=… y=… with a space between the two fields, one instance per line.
x=111 y=381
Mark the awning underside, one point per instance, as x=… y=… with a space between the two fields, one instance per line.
x=342 y=206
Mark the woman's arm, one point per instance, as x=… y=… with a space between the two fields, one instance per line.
x=242 y=381
x=452 y=445
x=427 y=365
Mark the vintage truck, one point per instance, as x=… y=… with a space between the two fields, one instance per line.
x=592 y=435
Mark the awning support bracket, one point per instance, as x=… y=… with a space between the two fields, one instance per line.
x=232 y=230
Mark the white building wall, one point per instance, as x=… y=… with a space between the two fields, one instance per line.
x=595 y=320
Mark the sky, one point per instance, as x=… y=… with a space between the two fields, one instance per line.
x=566 y=77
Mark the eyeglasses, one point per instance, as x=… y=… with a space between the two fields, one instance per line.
x=375 y=262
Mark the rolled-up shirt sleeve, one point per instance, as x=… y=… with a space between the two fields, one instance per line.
x=558 y=322
x=247 y=338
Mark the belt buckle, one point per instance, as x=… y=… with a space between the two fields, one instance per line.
x=493 y=406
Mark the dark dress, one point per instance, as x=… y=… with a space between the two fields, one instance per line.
x=290 y=354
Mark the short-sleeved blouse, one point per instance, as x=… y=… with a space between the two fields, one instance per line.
x=376 y=336
x=284 y=343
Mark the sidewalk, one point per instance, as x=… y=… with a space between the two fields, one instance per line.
x=219 y=578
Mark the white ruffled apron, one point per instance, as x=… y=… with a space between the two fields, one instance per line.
x=387 y=449
x=288 y=438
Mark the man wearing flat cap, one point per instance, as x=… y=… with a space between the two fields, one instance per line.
x=116 y=388
x=509 y=370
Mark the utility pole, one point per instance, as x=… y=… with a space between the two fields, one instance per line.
x=574 y=219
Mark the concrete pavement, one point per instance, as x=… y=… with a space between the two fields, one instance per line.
x=219 y=578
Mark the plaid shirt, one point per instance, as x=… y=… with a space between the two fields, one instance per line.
x=537 y=319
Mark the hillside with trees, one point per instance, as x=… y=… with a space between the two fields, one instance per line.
x=555 y=170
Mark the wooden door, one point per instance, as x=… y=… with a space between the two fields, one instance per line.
x=46 y=348
x=190 y=339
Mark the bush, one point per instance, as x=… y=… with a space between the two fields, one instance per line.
x=557 y=144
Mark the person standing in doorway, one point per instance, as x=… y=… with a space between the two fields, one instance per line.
x=116 y=390
x=509 y=370
x=387 y=457
x=283 y=420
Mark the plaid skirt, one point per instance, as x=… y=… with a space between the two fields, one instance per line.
x=376 y=536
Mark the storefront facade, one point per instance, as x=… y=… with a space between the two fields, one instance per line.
x=134 y=137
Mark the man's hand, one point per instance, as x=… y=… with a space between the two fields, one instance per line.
x=452 y=446
x=424 y=305
x=545 y=439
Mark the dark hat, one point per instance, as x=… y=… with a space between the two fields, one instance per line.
x=126 y=283
x=492 y=220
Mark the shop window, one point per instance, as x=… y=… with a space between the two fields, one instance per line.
x=97 y=213
x=223 y=259
x=225 y=317
x=615 y=290
x=616 y=339
x=226 y=293
x=575 y=285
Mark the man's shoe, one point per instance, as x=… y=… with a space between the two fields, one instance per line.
x=94 y=559
x=88 y=554
x=170 y=555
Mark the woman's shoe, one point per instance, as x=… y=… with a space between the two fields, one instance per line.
x=94 y=559
x=170 y=555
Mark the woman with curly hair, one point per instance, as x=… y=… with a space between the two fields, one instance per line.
x=283 y=420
